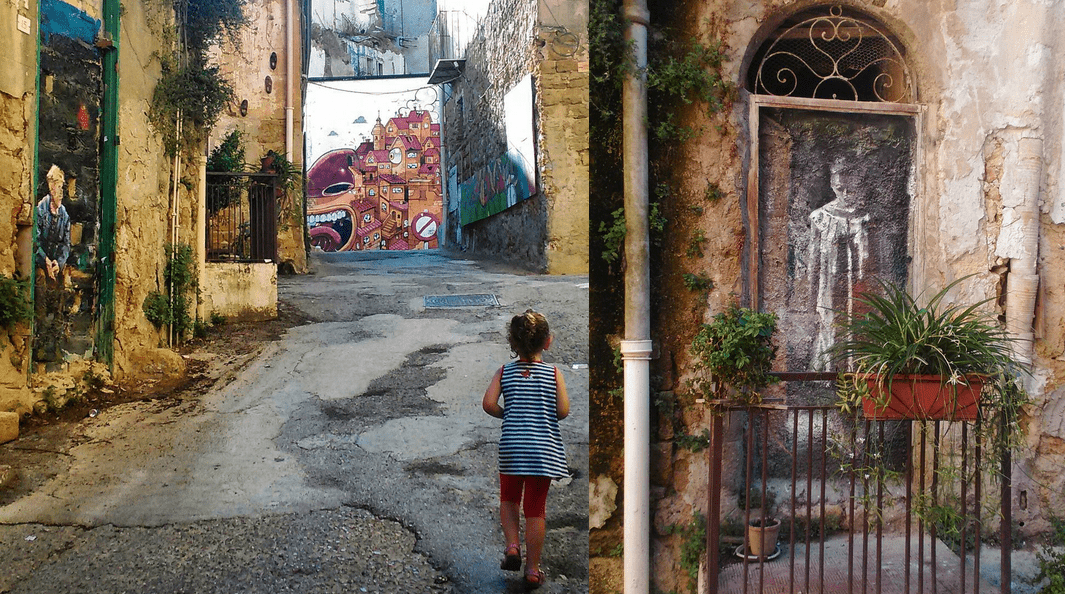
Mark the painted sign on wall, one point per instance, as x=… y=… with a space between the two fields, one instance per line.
x=375 y=183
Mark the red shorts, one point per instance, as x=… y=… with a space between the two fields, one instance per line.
x=510 y=488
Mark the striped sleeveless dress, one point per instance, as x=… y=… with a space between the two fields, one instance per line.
x=531 y=443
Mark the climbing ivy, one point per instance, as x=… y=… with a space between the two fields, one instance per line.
x=192 y=91
x=172 y=306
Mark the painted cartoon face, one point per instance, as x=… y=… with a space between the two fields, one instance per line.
x=330 y=218
x=332 y=174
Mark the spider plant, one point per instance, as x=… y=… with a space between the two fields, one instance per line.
x=891 y=335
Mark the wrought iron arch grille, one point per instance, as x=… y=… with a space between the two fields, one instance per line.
x=836 y=55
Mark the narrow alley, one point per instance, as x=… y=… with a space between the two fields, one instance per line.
x=351 y=455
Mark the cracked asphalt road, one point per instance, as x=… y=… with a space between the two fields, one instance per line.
x=350 y=455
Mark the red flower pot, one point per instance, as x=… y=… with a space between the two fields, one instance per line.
x=925 y=397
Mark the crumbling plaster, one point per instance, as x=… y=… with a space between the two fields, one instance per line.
x=142 y=219
x=18 y=100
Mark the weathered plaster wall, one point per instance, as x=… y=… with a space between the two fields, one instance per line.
x=548 y=231
x=263 y=127
x=19 y=46
x=987 y=75
x=246 y=292
x=18 y=97
x=367 y=38
x=143 y=219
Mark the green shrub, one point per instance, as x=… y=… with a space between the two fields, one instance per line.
x=736 y=349
x=1052 y=562
x=172 y=308
x=15 y=303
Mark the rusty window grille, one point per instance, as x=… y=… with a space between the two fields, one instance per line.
x=885 y=507
x=241 y=217
x=832 y=53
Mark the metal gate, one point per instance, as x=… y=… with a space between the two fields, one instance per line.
x=863 y=506
x=241 y=224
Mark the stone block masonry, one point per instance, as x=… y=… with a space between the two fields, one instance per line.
x=8 y=426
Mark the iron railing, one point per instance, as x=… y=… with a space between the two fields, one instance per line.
x=242 y=217
x=865 y=506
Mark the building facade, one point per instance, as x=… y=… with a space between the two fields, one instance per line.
x=859 y=141
x=515 y=137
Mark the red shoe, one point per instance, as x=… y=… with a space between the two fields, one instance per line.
x=511 y=558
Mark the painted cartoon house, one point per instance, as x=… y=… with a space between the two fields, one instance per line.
x=383 y=194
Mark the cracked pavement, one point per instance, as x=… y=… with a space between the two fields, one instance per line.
x=350 y=455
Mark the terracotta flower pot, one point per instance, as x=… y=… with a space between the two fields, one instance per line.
x=924 y=397
x=762 y=541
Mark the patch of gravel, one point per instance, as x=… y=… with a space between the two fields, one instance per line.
x=346 y=550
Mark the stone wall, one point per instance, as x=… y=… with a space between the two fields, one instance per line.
x=498 y=57
x=18 y=98
x=143 y=218
x=562 y=105
x=16 y=163
x=976 y=141
x=548 y=231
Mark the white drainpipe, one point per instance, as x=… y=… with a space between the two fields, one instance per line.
x=290 y=77
x=636 y=348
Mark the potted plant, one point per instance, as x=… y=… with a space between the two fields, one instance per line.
x=924 y=362
x=735 y=351
x=762 y=536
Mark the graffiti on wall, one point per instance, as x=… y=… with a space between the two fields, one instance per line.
x=497 y=187
x=381 y=191
x=66 y=217
x=510 y=178
x=835 y=192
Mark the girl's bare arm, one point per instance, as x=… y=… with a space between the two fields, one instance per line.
x=561 y=397
x=490 y=404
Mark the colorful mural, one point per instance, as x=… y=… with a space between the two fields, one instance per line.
x=67 y=213
x=512 y=177
x=384 y=194
x=497 y=187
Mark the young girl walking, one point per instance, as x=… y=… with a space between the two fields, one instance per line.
x=530 y=447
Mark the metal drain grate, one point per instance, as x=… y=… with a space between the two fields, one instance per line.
x=483 y=300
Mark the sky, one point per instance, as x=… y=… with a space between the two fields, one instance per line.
x=350 y=109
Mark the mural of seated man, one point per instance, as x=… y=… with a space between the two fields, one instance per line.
x=52 y=252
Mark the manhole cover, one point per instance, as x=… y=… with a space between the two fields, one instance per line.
x=460 y=300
